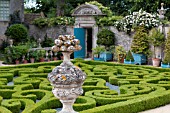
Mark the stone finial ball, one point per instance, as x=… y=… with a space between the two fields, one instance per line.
x=66 y=43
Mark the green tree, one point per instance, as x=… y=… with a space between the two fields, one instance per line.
x=106 y=38
x=129 y=56
x=167 y=50
x=140 y=43
x=17 y=32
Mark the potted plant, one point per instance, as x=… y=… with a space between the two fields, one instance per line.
x=106 y=38
x=166 y=60
x=41 y=55
x=129 y=58
x=157 y=40
x=120 y=53
x=96 y=53
x=33 y=55
x=16 y=53
x=140 y=45
x=24 y=51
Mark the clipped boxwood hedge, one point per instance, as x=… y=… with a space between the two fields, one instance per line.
x=138 y=88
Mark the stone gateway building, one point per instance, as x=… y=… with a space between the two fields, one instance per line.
x=85 y=28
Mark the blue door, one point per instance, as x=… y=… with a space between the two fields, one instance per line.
x=79 y=33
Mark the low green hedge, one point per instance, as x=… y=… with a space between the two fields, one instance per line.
x=137 y=84
x=4 y=110
x=8 y=76
x=49 y=111
x=3 y=81
x=35 y=81
x=13 y=105
x=84 y=103
x=7 y=93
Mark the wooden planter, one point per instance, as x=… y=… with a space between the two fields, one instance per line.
x=139 y=58
x=128 y=62
x=98 y=59
x=165 y=65
x=106 y=56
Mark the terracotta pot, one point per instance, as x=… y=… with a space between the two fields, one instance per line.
x=16 y=61
x=32 y=60
x=25 y=61
x=41 y=59
x=121 y=58
x=54 y=58
x=156 y=62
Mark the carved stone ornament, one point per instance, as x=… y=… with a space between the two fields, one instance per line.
x=67 y=79
x=87 y=9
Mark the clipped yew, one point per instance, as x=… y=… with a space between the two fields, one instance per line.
x=167 y=50
x=140 y=43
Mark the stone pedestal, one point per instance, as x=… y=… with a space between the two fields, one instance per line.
x=67 y=79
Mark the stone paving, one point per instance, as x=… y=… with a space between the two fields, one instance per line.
x=163 y=109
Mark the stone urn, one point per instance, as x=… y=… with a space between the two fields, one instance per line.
x=67 y=79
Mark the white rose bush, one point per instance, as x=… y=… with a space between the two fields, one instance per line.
x=141 y=18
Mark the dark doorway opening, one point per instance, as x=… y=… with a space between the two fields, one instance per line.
x=89 y=42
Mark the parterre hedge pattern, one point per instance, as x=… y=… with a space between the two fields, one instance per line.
x=25 y=88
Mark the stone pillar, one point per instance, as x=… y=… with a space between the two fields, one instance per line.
x=95 y=30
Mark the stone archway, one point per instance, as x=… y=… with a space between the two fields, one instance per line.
x=85 y=18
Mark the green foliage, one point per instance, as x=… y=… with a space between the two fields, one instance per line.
x=140 y=43
x=119 y=51
x=105 y=10
x=16 y=52
x=33 y=54
x=166 y=59
x=42 y=22
x=107 y=21
x=41 y=53
x=106 y=38
x=18 y=32
x=156 y=37
x=48 y=42
x=129 y=56
x=98 y=50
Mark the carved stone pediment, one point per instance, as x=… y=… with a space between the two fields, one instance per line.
x=87 y=9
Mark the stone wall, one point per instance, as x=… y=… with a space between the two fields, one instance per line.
x=51 y=32
x=3 y=27
x=122 y=38
x=29 y=17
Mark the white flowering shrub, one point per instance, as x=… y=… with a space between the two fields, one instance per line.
x=141 y=18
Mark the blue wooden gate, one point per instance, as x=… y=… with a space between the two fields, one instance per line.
x=79 y=33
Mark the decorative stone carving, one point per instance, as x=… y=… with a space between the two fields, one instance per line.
x=87 y=11
x=67 y=79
